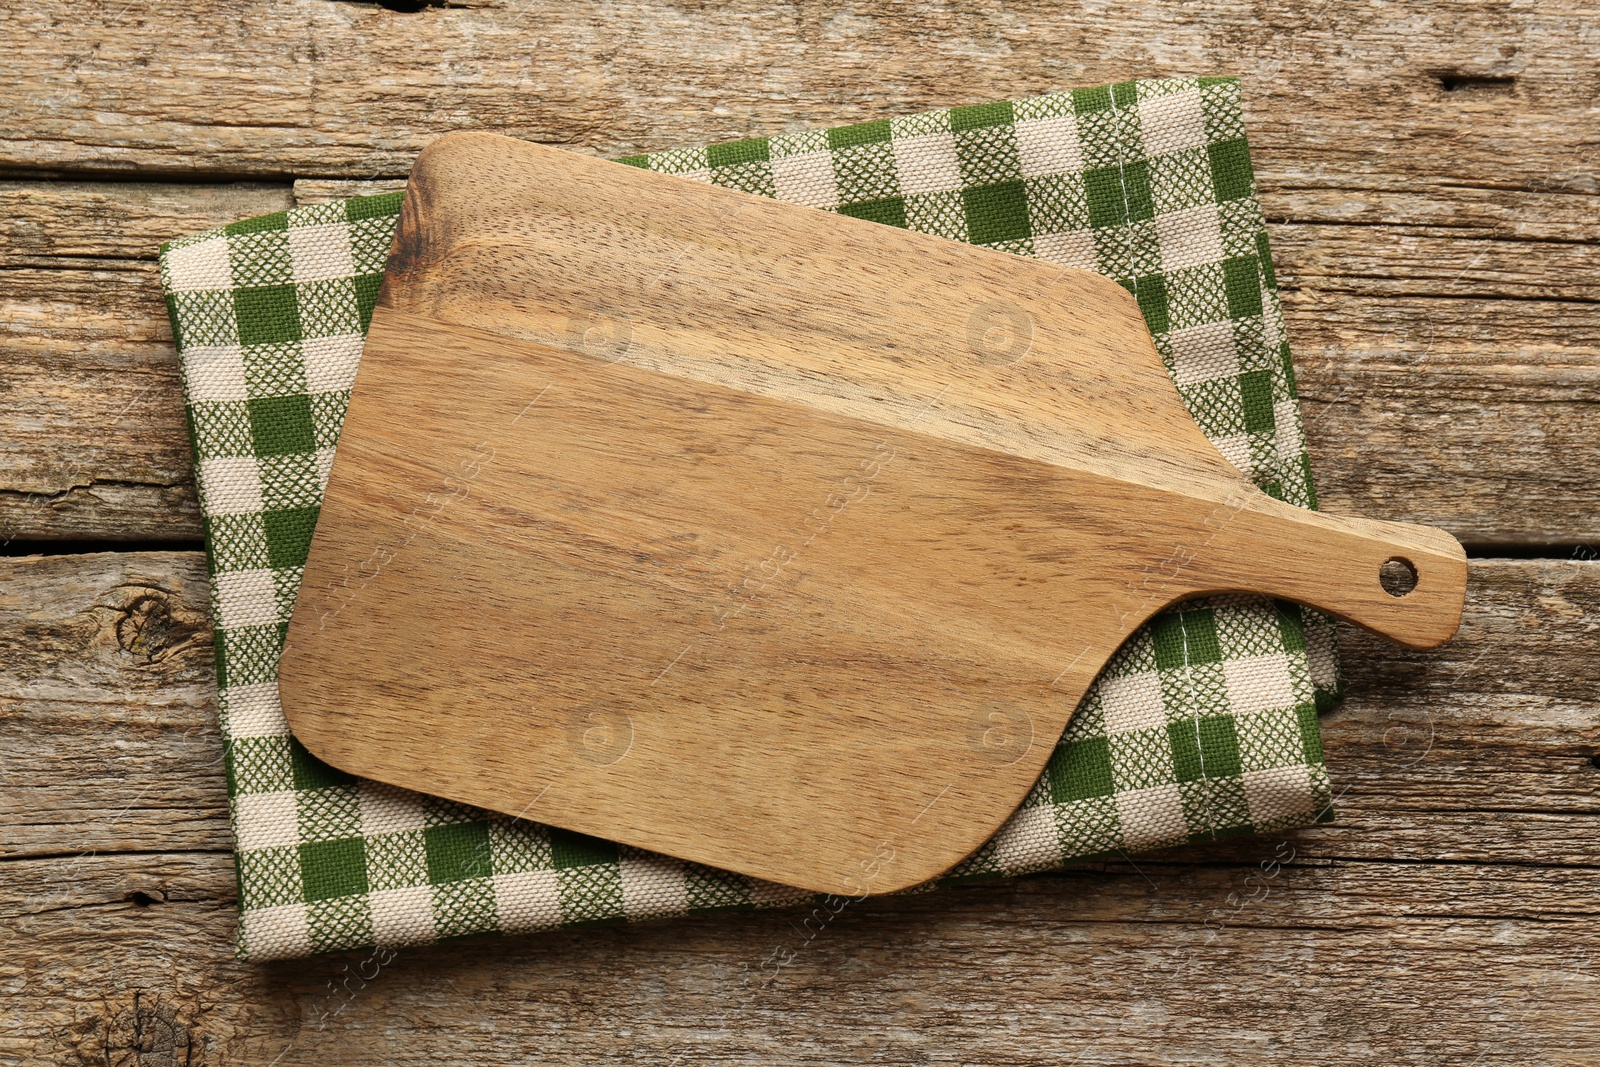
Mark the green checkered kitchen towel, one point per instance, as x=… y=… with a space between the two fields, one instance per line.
x=1204 y=725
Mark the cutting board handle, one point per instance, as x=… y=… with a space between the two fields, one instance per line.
x=1402 y=581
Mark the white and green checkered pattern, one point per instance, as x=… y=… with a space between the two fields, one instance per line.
x=1203 y=726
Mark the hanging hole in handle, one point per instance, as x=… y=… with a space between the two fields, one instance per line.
x=1398 y=576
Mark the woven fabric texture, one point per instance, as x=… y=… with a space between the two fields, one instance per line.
x=1203 y=726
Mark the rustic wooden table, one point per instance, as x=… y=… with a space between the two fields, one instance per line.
x=1427 y=169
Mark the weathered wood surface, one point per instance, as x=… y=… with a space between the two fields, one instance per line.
x=1428 y=174
x=1428 y=168
x=1429 y=389
x=310 y=88
x=1448 y=914
x=92 y=437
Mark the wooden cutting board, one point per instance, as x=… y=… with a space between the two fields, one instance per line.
x=763 y=537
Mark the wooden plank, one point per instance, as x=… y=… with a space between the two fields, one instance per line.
x=316 y=88
x=1448 y=411
x=1381 y=263
x=1212 y=965
x=1463 y=211
x=108 y=705
x=308 y=191
x=1444 y=917
x=1426 y=739
x=92 y=436
x=1424 y=403
x=1534 y=210
x=101 y=225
